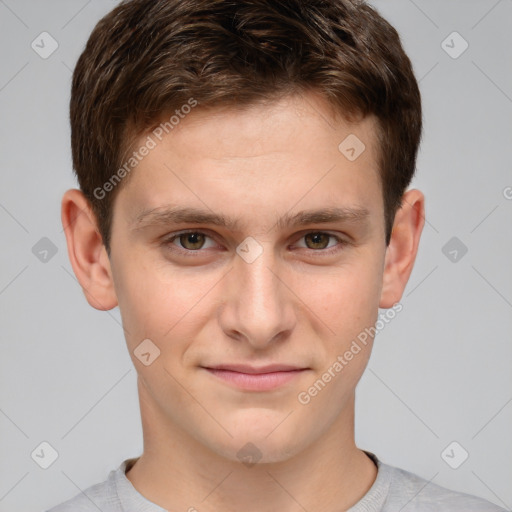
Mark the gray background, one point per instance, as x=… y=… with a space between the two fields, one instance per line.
x=440 y=371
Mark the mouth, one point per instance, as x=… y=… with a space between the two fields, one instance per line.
x=251 y=378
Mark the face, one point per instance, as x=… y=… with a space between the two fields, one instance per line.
x=283 y=266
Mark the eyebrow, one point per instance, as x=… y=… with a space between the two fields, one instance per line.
x=167 y=215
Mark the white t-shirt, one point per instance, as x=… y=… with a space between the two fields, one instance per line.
x=394 y=490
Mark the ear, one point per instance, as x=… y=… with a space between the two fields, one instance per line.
x=403 y=247
x=86 y=251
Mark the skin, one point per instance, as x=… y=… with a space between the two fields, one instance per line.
x=295 y=303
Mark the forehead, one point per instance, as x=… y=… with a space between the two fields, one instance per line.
x=264 y=158
x=304 y=123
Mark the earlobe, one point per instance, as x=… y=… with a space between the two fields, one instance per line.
x=403 y=247
x=86 y=251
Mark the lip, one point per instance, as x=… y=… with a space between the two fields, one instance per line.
x=264 y=378
x=245 y=368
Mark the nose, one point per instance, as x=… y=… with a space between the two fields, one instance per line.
x=258 y=304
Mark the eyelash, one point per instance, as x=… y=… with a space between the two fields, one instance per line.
x=167 y=242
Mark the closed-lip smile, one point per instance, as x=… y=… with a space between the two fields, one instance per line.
x=251 y=378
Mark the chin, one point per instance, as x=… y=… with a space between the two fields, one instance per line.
x=249 y=446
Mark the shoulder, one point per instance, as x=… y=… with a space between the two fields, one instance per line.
x=415 y=494
x=101 y=496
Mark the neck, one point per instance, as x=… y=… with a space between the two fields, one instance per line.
x=177 y=472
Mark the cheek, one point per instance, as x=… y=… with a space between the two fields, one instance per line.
x=347 y=301
x=349 y=307
x=154 y=308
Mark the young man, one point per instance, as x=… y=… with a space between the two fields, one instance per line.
x=243 y=170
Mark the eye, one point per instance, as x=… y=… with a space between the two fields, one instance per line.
x=190 y=241
x=319 y=241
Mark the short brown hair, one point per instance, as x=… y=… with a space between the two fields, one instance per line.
x=147 y=58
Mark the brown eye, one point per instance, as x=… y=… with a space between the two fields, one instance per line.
x=188 y=243
x=318 y=240
x=192 y=241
